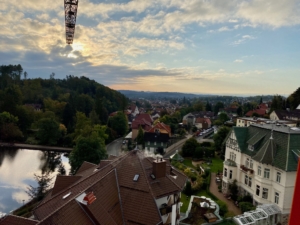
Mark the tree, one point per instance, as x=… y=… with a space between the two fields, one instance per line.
x=87 y=149
x=119 y=123
x=208 y=106
x=277 y=102
x=198 y=153
x=140 y=137
x=223 y=117
x=220 y=136
x=9 y=131
x=189 y=147
x=44 y=184
x=217 y=107
x=199 y=106
x=239 y=111
x=294 y=99
x=188 y=189
x=234 y=190
x=48 y=131
x=246 y=206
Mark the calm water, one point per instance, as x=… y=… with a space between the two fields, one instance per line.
x=17 y=169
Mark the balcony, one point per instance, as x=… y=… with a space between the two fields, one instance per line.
x=247 y=170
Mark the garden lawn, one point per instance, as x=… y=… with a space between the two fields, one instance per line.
x=188 y=162
x=216 y=165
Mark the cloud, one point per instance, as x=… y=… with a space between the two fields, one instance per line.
x=243 y=40
x=238 y=61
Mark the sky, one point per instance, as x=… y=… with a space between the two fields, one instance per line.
x=228 y=47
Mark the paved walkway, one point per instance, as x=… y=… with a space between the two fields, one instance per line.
x=214 y=189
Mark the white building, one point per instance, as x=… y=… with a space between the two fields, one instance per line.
x=263 y=159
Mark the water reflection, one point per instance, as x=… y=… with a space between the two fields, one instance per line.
x=17 y=169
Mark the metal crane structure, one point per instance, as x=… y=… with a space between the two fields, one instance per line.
x=70 y=19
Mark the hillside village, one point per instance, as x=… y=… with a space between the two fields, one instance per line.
x=236 y=164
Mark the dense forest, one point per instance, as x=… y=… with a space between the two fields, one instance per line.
x=30 y=109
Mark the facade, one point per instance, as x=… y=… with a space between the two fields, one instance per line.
x=156 y=141
x=247 y=121
x=291 y=115
x=190 y=118
x=263 y=159
x=144 y=121
x=130 y=189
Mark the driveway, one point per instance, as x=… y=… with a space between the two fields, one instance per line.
x=214 y=190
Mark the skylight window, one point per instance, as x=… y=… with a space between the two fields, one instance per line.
x=67 y=195
x=136 y=177
x=152 y=176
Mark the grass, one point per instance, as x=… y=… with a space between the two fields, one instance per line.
x=188 y=162
x=216 y=165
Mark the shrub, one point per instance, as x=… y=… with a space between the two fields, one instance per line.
x=246 y=206
x=223 y=208
x=188 y=188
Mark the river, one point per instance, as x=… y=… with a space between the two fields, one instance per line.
x=17 y=169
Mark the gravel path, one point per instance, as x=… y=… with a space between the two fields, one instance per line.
x=214 y=189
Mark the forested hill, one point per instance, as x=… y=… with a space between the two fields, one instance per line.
x=58 y=98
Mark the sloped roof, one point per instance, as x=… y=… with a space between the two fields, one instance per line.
x=161 y=127
x=284 y=141
x=16 y=220
x=266 y=153
x=119 y=199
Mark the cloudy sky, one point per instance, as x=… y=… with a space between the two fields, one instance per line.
x=195 y=46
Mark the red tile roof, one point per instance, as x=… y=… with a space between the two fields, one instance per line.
x=161 y=127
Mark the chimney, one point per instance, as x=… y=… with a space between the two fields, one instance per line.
x=89 y=198
x=159 y=168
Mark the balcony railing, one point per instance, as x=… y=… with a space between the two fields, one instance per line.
x=247 y=170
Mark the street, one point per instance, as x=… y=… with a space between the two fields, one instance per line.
x=114 y=148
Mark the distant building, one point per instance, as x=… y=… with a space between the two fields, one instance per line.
x=190 y=118
x=141 y=120
x=291 y=115
x=247 y=121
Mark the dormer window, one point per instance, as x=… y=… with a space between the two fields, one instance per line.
x=251 y=147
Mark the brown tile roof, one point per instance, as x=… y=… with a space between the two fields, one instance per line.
x=63 y=182
x=163 y=128
x=85 y=165
x=16 y=220
x=119 y=199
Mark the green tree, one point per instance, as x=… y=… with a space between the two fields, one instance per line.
x=9 y=131
x=189 y=147
x=217 y=107
x=188 y=189
x=140 y=137
x=223 y=117
x=119 y=123
x=12 y=98
x=246 y=206
x=88 y=149
x=208 y=106
x=234 y=190
x=44 y=185
x=48 y=131
x=239 y=111
x=220 y=136
x=277 y=102
x=294 y=99
x=198 y=153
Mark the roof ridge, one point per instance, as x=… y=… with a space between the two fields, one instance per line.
x=73 y=198
x=81 y=181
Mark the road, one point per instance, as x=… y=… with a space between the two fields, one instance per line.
x=177 y=146
x=114 y=148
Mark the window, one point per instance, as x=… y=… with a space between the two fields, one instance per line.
x=230 y=174
x=232 y=156
x=250 y=147
x=257 y=190
x=224 y=184
x=276 y=198
x=267 y=173
x=259 y=170
x=278 y=177
x=247 y=162
x=251 y=164
x=246 y=179
x=265 y=193
x=225 y=172
x=250 y=182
